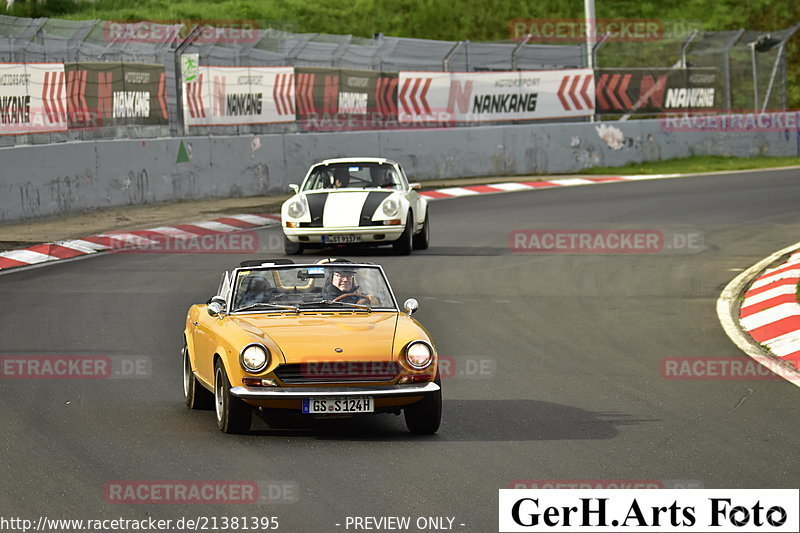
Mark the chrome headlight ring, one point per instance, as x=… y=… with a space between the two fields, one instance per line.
x=254 y=357
x=419 y=354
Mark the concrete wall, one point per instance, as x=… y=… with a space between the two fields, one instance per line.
x=71 y=177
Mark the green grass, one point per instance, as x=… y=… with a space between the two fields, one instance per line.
x=697 y=163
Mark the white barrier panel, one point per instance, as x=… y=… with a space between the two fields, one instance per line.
x=224 y=96
x=495 y=96
x=658 y=510
x=422 y=97
x=522 y=95
x=33 y=98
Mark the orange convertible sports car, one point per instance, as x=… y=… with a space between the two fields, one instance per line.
x=325 y=339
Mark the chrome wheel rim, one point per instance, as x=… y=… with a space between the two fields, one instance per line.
x=218 y=395
x=186 y=373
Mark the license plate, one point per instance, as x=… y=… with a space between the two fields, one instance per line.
x=338 y=405
x=340 y=239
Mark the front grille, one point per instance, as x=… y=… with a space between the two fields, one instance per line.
x=338 y=372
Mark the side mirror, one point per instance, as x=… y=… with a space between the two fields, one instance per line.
x=294 y=188
x=411 y=305
x=415 y=186
x=216 y=306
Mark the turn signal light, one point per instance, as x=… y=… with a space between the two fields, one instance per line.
x=292 y=224
x=417 y=378
x=259 y=382
x=392 y=222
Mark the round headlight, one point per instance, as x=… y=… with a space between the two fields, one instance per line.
x=296 y=209
x=419 y=355
x=254 y=358
x=390 y=207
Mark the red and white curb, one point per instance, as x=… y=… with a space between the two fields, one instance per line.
x=68 y=249
x=766 y=326
x=515 y=186
x=770 y=312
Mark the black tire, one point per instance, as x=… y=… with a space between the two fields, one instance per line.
x=292 y=248
x=425 y=416
x=404 y=244
x=196 y=396
x=423 y=239
x=233 y=415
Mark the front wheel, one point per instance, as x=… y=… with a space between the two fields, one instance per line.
x=404 y=244
x=233 y=415
x=423 y=239
x=425 y=416
x=196 y=396
x=292 y=248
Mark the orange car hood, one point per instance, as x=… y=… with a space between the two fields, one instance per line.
x=315 y=337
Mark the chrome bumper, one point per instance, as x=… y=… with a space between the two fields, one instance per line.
x=295 y=393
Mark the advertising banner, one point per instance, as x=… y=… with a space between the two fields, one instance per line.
x=335 y=99
x=656 y=90
x=224 y=96
x=32 y=98
x=474 y=97
x=115 y=94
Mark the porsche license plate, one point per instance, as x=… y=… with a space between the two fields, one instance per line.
x=340 y=239
x=338 y=405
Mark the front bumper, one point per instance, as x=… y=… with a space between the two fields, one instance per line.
x=295 y=393
x=368 y=233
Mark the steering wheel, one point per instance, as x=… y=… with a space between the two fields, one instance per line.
x=347 y=295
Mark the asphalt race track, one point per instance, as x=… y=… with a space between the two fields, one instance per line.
x=571 y=387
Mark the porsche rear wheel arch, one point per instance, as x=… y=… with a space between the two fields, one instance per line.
x=195 y=394
x=233 y=415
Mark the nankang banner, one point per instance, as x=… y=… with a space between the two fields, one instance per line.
x=331 y=99
x=115 y=94
x=224 y=96
x=32 y=98
x=475 y=97
x=656 y=90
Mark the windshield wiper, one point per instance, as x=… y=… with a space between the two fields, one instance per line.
x=267 y=304
x=331 y=302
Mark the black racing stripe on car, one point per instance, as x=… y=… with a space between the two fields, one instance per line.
x=372 y=202
x=316 y=207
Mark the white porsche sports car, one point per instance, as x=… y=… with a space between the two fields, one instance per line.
x=355 y=201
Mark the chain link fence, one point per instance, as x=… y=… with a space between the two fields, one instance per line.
x=750 y=68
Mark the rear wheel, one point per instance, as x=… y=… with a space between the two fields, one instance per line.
x=196 y=396
x=425 y=416
x=404 y=244
x=233 y=415
x=292 y=248
x=423 y=239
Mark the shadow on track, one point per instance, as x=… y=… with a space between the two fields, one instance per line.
x=462 y=420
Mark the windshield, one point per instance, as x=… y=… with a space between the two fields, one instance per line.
x=305 y=287
x=359 y=175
